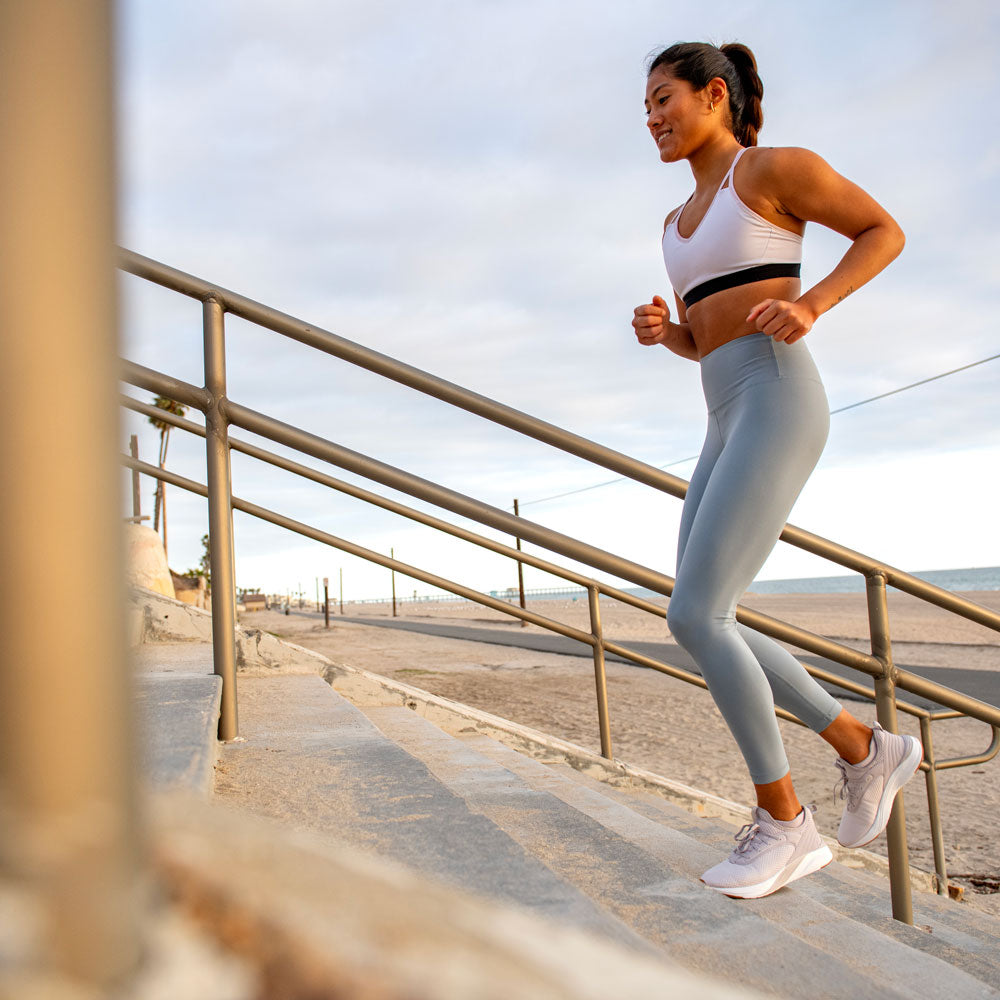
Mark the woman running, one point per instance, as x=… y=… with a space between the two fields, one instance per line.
x=733 y=253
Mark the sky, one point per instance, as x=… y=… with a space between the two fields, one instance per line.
x=470 y=187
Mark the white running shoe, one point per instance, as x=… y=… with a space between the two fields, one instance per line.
x=870 y=787
x=769 y=854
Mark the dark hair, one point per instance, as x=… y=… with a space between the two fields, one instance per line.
x=700 y=62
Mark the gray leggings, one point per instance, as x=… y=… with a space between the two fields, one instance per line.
x=768 y=420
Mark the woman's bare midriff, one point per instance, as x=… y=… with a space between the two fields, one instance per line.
x=721 y=317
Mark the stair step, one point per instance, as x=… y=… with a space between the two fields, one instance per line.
x=177 y=722
x=961 y=937
x=647 y=874
x=862 y=895
x=308 y=757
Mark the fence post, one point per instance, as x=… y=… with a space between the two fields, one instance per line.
x=934 y=808
x=885 y=707
x=220 y=517
x=520 y=568
x=133 y=447
x=392 y=555
x=603 y=721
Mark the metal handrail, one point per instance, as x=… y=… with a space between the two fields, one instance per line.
x=578 y=551
x=221 y=412
x=495 y=518
x=594 y=639
x=508 y=416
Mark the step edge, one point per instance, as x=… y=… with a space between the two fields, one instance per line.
x=931 y=964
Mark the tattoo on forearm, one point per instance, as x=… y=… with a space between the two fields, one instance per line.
x=844 y=296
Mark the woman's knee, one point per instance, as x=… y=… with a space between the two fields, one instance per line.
x=687 y=620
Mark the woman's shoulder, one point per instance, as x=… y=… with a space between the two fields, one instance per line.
x=774 y=162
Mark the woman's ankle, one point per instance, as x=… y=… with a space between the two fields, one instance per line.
x=850 y=737
x=779 y=798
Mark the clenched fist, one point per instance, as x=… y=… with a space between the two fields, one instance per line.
x=651 y=322
x=781 y=320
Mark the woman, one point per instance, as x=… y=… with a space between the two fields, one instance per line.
x=732 y=253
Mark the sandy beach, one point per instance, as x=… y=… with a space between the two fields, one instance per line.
x=674 y=728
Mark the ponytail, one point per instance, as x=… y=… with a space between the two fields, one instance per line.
x=748 y=119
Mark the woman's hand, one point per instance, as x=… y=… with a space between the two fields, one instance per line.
x=651 y=322
x=781 y=320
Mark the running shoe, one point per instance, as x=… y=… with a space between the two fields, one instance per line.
x=870 y=786
x=769 y=854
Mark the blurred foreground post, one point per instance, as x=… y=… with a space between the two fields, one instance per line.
x=69 y=848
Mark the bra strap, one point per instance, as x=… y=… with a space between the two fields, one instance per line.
x=732 y=167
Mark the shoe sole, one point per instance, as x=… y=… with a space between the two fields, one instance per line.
x=818 y=858
x=905 y=770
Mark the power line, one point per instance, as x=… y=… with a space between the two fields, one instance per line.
x=913 y=385
x=840 y=409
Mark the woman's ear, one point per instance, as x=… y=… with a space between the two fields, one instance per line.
x=716 y=92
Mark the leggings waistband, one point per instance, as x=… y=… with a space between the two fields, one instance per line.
x=739 y=363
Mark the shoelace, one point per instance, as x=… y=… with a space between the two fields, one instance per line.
x=846 y=787
x=745 y=839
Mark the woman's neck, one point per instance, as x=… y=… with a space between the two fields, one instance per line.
x=710 y=161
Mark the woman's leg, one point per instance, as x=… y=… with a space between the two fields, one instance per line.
x=710 y=451
x=793 y=687
x=773 y=433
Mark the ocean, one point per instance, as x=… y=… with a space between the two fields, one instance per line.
x=973 y=578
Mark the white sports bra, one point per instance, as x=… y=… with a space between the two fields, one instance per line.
x=731 y=246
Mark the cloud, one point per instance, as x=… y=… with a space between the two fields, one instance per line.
x=470 y=188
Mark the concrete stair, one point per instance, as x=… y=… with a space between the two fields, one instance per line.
x=641 y=860
x=177 y=698
x=473 y=813
x=470 y=813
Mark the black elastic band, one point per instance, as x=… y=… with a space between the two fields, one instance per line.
x=744 y=277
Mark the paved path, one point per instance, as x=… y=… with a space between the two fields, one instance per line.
x=981 y=684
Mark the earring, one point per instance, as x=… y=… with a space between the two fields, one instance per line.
x=711 y=106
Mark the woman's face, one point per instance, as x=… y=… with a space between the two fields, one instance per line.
x=677 y=116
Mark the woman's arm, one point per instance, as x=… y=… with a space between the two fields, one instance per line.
x=802 y=184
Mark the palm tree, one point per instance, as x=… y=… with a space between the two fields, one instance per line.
x=160 y=502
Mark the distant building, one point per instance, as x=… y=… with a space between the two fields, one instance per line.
x=254 y=602
x=191 y=590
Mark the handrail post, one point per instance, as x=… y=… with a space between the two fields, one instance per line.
x=133 y=447
x=933 y=808
x=599 y=676
x=520 y=567
x=220 y=517
x=885 y=707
